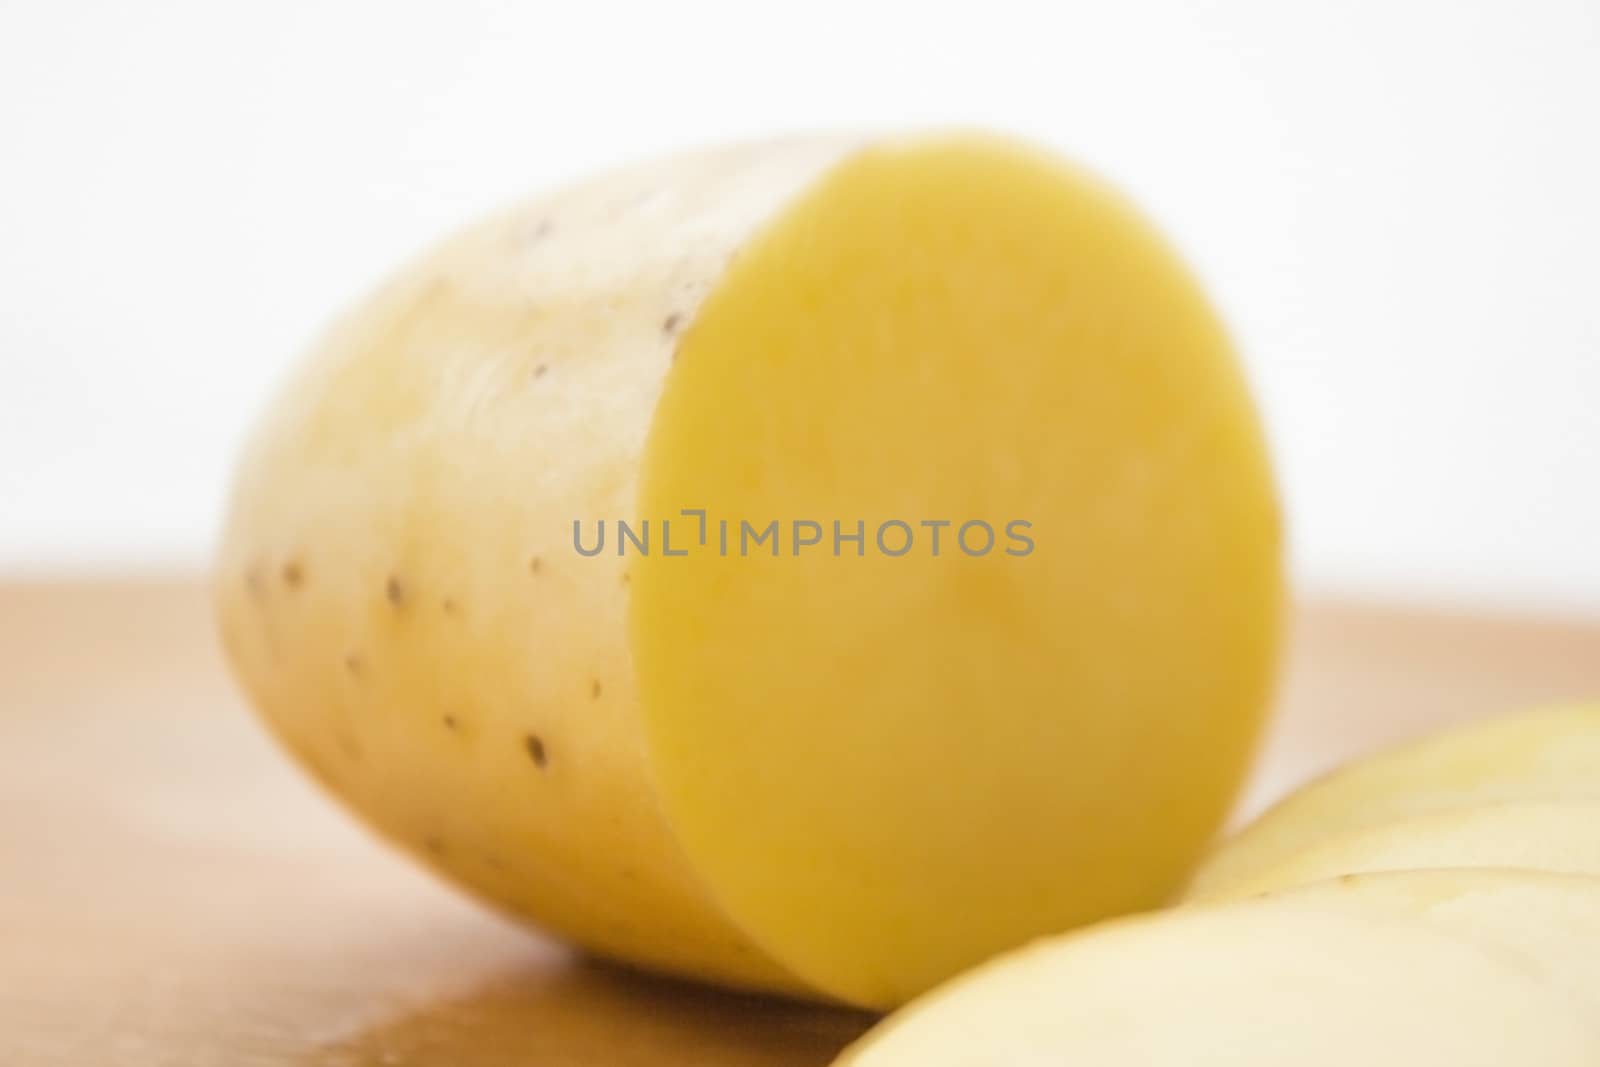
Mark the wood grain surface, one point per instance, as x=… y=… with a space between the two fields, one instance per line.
x=174 y=894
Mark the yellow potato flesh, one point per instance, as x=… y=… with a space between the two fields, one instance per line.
x=845 y=776
x=1251 y=986
x=1549 y=754
x=1558 y=838
x=888 y=768
x=1551 y=920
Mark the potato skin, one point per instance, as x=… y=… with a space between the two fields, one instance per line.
x=396 y=586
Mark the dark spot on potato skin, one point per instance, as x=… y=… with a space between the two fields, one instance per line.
x=529 y=232
x=434 y=845
x=395 y=591
x=355 y=664
x=536 y=750
x=451 y=723
x=626 y=578
x=594 y=689
x=540 y=371
x=534 y=564
x=449 y=606
x=670 y=324
x=294 y=574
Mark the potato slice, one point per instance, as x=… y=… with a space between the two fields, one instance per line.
x=1551 y=920
x=1247 y=986
x=852 y=773
x=1545 y=754
x=1555 y=838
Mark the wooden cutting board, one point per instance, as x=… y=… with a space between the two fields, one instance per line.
x=174 y=894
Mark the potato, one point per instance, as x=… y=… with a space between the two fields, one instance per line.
x=841 y=767
x=1249 y=986
x=1554 y=837
x=1546 y=754
x=1552 y=921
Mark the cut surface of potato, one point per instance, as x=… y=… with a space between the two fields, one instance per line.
x=1546 y=754
x=855 y=749
x=1244 y=986
x=1554 y=838
x=848 y=767
x=1552 y=921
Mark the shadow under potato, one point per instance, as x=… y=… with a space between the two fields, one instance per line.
x=596 y=1014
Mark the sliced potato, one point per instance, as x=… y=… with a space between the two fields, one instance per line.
x=1551 y=920
x=1554 y=838
x=847 y=768
x=1545 y=754
x=1246 y=986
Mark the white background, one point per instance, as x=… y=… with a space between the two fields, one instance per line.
x=1397 y=205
